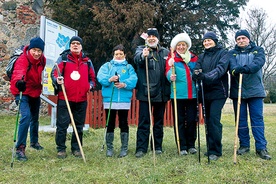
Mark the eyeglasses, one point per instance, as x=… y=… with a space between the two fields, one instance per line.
x=75 y=43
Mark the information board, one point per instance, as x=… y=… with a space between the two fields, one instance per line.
x=56 y=37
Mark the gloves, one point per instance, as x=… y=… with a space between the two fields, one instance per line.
x=238 y=70
x=198 y=76
x=21 y=85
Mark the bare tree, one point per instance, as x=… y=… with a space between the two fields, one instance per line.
x=264 y=35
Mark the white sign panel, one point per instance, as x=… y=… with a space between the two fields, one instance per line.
x=56 y=37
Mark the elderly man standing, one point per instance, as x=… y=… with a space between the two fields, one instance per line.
x=159 y=91
x=248 y=59
x=78 y=77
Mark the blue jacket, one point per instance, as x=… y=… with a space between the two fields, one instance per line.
x=214 y=63
x=126 y=74
x=253 y=58
x=185 y=86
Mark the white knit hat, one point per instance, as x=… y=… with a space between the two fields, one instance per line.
x=181 y=37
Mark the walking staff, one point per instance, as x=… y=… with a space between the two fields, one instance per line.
x=175 y=106
x=237 y=119
x=16 y=128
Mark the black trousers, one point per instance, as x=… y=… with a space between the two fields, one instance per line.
x=143 y=132
x=123 y=124
x=214 y=127
x=63 y=120
x=186 y=113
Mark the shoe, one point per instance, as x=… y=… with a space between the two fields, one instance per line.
x=242 y=150
x=61 y=155
x=263 y=154
x=158 y=152
x=20 y=153
x=140 y=154
x=77 y=154
x=192 y=151
x=183 y=152
x=36 y=146
x=213 y=157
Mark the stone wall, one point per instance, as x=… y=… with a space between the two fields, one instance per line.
x=19 y=22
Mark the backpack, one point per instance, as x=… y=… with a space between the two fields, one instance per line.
x=10 y=65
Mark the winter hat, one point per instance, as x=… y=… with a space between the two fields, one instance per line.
x=37 y=42
x=153 y=31
x=181 y=37
x=210 y=35
x=243 y=32
x=76 y=38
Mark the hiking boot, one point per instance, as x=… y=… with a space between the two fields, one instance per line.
x=77 y=154
x=183 y=152
x=192 y=150
x=36 y=146
x=140 y=154
x=242 y=150
x=213 y=157
x=20 y=153
x=61 y=155
x=263 y=154
x=158 y=152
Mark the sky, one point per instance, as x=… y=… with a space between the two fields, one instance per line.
x=267 y=5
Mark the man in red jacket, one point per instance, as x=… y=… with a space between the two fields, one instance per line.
x=78 y=77
x=27 y=78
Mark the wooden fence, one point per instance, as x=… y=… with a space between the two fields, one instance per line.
x=96 y=117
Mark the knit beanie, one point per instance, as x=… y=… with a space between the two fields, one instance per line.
x=76 y=38
x=37 y=42
x=210 y=35
x=153 y=31
x=241 y=32
x=181 y=37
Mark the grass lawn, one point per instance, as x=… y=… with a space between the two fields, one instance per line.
x=44 y=167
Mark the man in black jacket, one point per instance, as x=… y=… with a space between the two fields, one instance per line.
x=159 y=91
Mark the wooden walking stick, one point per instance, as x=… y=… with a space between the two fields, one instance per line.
x=71 y=115
x=175 y=107
x=150 y=112
x=237 y=119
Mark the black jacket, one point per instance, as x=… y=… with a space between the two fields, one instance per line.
x=214 y=63
x=159 y=85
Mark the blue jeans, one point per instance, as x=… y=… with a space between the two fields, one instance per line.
x=255 y=107
x=29 y=110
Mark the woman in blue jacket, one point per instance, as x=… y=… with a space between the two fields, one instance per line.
x=184 y=62
x=118 y=79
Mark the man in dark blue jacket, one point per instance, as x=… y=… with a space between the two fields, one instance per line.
x=248 y=59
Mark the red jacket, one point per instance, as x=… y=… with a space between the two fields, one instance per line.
x=76 y=89
x=32 y=70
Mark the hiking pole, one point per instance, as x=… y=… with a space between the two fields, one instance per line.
x=16 y=128
x=71 y=115
x=175 y=107
x=204 y=117
x=237 y=119
x=198 y=132
x=150 y=113
x=108 y=115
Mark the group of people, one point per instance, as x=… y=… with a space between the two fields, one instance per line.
x=161 y=75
